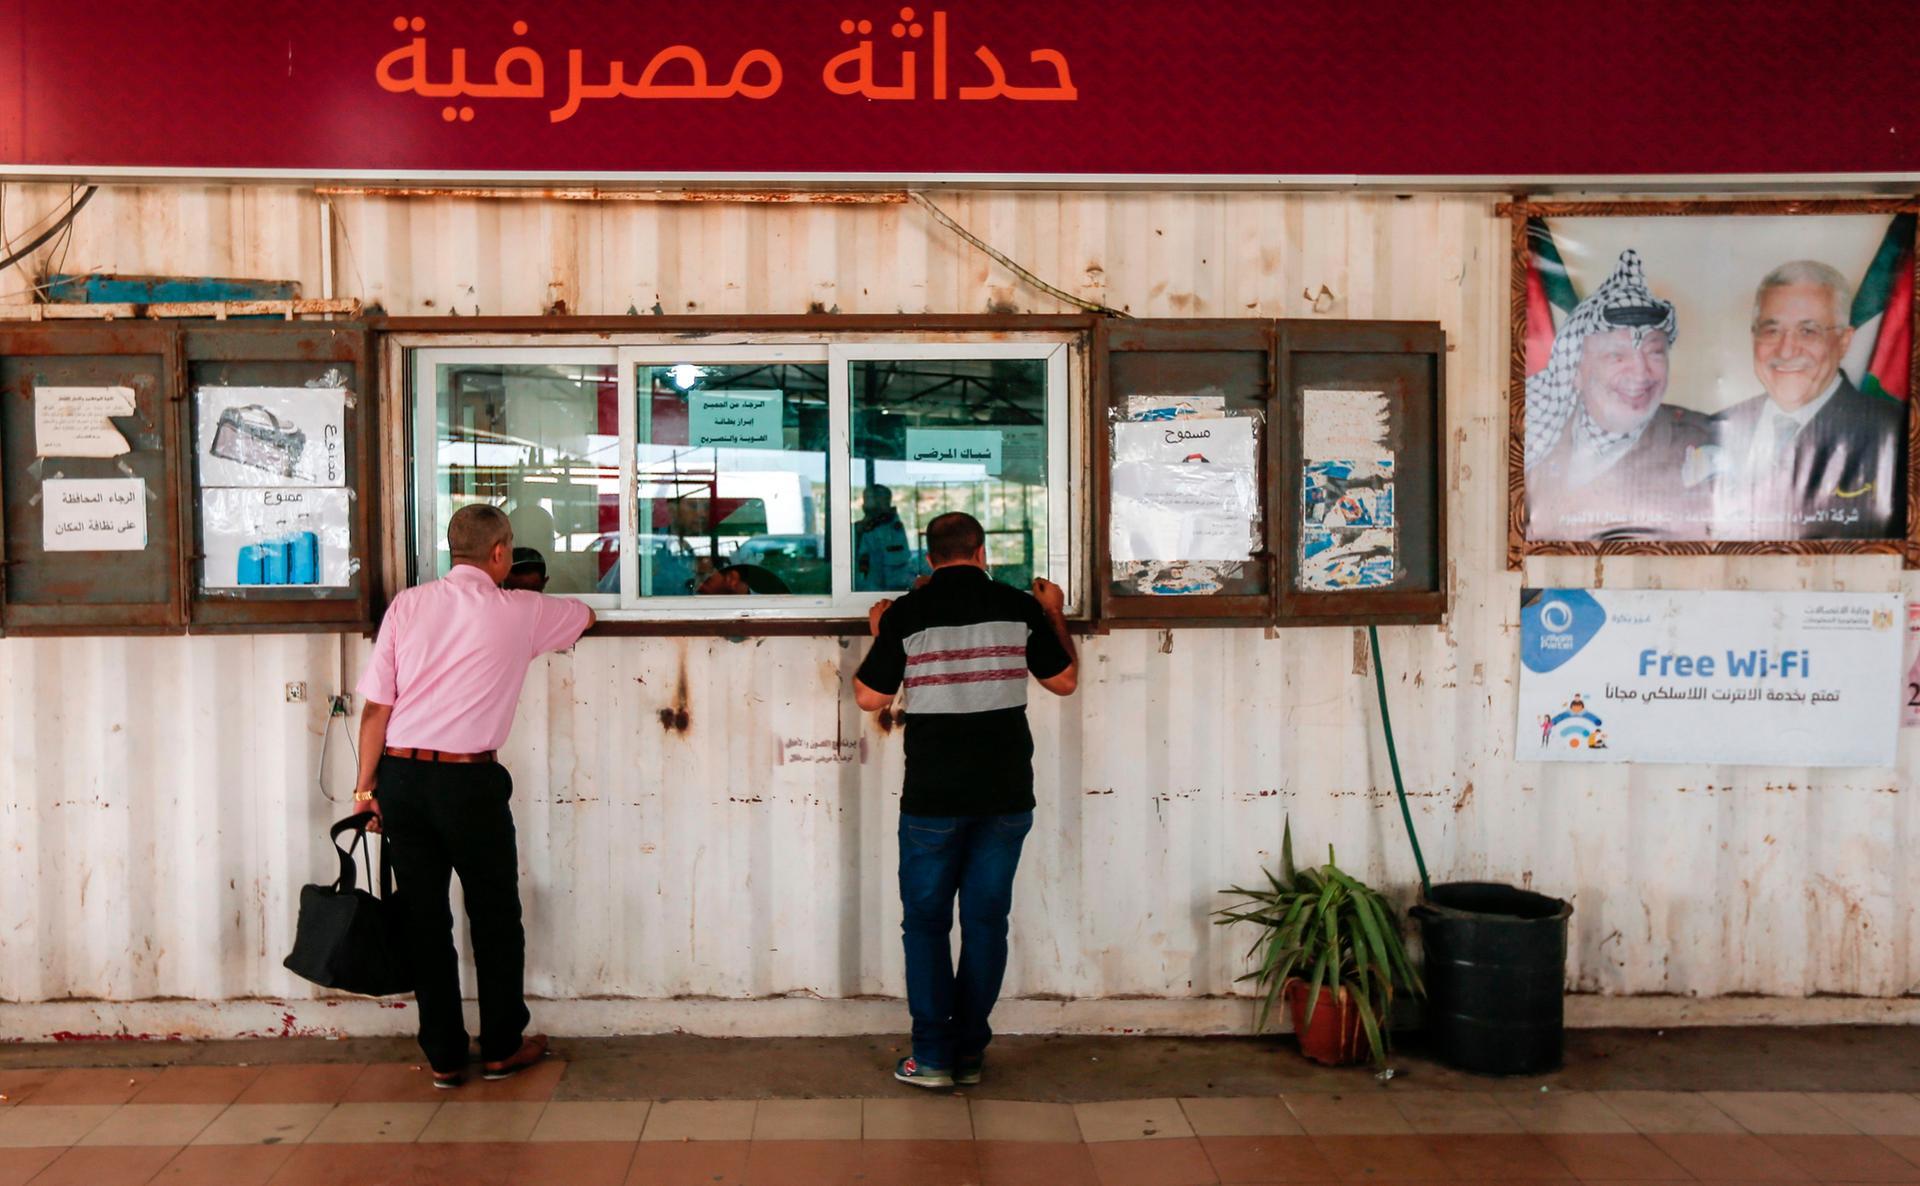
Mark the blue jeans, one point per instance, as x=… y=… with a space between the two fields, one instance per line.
x=973 y=858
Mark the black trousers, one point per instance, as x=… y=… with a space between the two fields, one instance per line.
x=442 y=818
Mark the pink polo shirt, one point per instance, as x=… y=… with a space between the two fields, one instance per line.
x=453 y=653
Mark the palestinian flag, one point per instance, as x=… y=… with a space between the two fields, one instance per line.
x=1550 y=295
x=1881 y=359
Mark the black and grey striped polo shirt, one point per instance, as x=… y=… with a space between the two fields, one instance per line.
x=962 y=645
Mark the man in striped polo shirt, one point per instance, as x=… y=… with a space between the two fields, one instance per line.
x=962 y=646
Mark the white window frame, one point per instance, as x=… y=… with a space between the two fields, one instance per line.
x=694 y=607
x=1059 y=526
x=628 y=353
x=427 y=530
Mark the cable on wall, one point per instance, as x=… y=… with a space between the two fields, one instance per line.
x=945 y=220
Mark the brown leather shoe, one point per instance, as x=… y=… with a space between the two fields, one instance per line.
x=532 y=1049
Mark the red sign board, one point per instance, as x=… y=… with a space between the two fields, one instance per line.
x=726 y=89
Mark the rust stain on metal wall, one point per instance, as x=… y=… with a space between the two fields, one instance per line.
x=675 y=717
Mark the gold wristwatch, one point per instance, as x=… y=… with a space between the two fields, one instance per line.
x=363 y=796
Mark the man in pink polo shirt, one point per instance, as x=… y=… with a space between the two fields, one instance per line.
x=438 y=698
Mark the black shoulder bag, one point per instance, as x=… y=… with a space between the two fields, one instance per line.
x=346 y=937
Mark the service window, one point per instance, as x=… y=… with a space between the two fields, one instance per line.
x=721 y=481
x=535 y=432
x=936 y=430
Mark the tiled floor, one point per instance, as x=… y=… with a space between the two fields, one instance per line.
x=371 y=1123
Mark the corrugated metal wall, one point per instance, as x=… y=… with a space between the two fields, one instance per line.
x=159 y=804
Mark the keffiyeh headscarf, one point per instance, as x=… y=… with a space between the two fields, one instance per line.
x=1623 y=301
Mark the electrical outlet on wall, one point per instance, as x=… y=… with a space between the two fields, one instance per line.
x=340 y=704
x=297 y=692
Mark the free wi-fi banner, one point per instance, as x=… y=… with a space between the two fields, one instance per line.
x=1728 y=678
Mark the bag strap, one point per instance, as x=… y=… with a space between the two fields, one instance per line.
x=246 y=412
x=357 y=824
x=386 y=871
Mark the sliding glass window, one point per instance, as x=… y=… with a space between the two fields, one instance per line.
x=722 y=481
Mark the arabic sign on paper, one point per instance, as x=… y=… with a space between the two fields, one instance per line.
x=1732 y=678
x=93 y=514
x=77 y=421
x=736 y=420
x=1183 y=490
x=956 y=446
x=285 y=536
x=1023 y=453
x=273 y=436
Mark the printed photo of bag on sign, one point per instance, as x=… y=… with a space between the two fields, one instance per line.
x=272 y=436
x=275 y=510
x=254 y=437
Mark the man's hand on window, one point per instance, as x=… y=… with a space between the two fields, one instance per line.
x=876 y=613
x=1051 y=597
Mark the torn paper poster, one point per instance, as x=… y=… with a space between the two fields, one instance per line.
x=1347 y=493
x=1176 y=407
x=1335 y=558
x=272 y=436
x=722 y=419
x=1344 y=424
x=77 y=421
x=93 y=514
x=1184 y=491
x=275 y=536
x=1178 y=578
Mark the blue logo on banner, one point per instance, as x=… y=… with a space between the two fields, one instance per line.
x=1555 y=624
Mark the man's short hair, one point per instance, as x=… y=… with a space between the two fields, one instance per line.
x=529 y=560
x=758 y=579
x=955 y=535
x=476 y=530
x=1810 y=271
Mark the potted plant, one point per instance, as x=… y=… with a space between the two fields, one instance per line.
x=1328 y=944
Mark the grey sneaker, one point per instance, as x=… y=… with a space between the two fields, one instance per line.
x=909 y=1071
x=966 y=1071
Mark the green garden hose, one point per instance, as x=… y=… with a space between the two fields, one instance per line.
x=1393 y=757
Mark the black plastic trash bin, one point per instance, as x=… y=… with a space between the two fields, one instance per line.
x=1496 y=960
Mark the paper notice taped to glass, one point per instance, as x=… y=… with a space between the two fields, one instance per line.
x=733 y=419
x=1184 y=491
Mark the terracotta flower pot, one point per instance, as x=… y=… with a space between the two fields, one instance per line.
x=1335 y=1037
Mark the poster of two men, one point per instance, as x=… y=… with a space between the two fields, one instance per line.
x=1706 y=378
